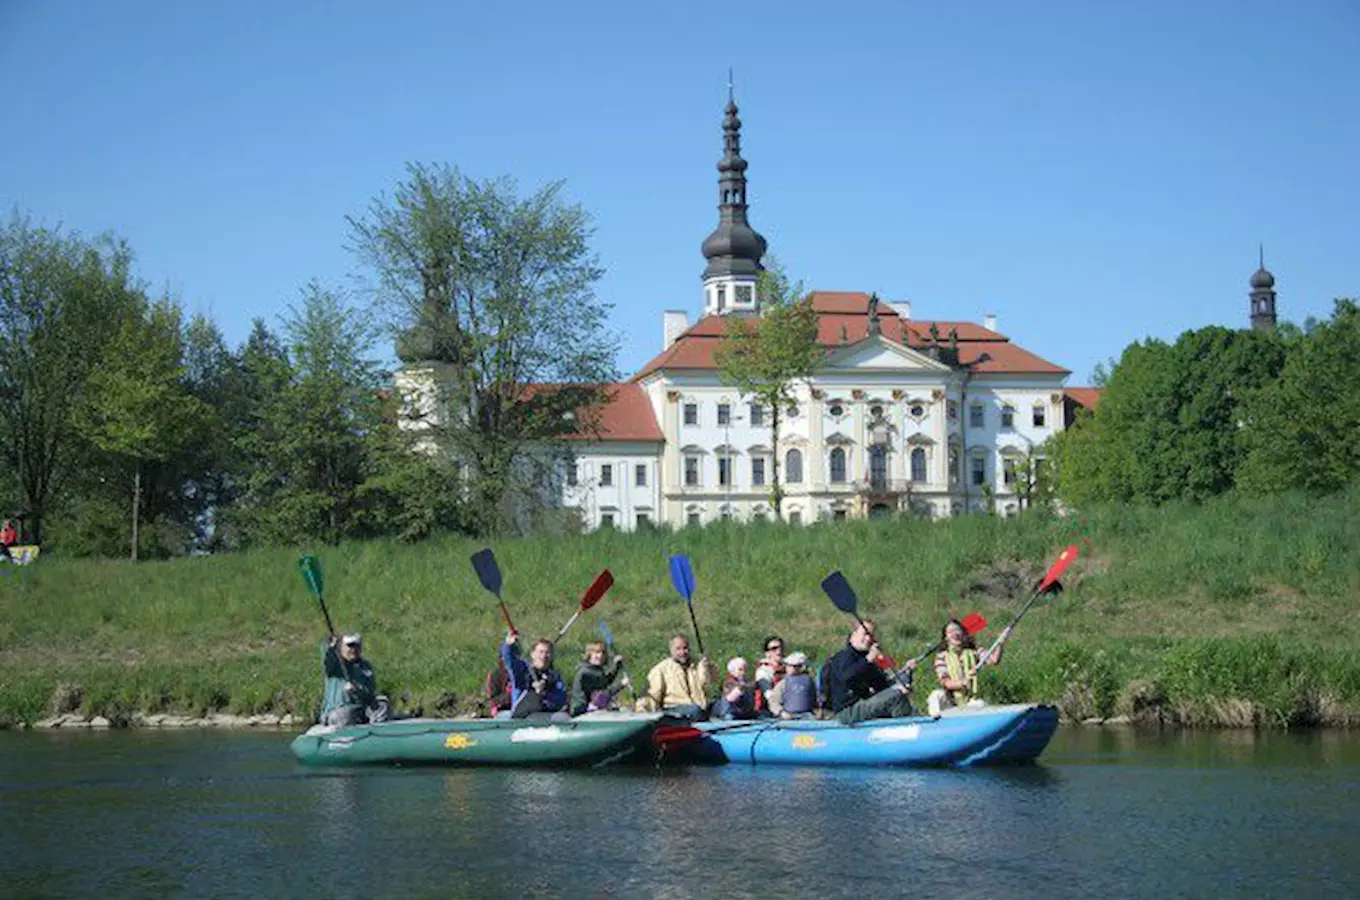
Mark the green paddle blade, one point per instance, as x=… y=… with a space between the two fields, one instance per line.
x=311 y=574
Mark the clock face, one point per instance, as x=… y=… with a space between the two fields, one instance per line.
x=743 y=293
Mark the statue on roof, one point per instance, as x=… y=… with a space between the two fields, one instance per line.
x=934 y=332
x=874 y=326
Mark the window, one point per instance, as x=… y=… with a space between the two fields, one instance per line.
x=952 y=410
x=918 y=464
x=742 y=293
x=1039 y=415
x=917 y=410
x=724 y=470
x=836 y=409
x=571 y=473
x=606 y=475
x=607 y=520
x=1008 y=416
x=724 y=414
x=692 y=519
x=640 y=475
x=838 y=465
x=722 y=298
x=758 y=514
x=691 y=471
x=795 y=518
x=791 y=412
x=757 y=414
x=953 y=465
x=975 y=419
x=757 y=471
x=838 y=515
x=876 y=410
x=1008 y=470
x=979 y=470
x=691 y=414
x=643 y=520
x=793 y=467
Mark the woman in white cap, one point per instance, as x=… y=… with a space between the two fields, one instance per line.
x=795 y=695
x=351 y=696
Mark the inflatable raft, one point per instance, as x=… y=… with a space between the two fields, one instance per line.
x=986 y=735
x=537 y=741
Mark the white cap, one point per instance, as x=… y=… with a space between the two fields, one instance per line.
x=734 y=664
x=797 y=658
x=352 y=639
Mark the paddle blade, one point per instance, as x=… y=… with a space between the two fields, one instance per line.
x=608 y=638
x=973 y=623
x=838 y=589
x=311 y=574
x=682 y=576
x=602 y=583
x=488 y=573
x=1065 y=559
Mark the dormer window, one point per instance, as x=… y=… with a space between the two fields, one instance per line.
x=917 y=410
x=837 y=409
x=876 y=410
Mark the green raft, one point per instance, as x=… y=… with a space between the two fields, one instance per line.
x=586 y=740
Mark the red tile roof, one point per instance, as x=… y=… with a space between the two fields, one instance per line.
x=625 y=415
x=1088 y=397
x=843 y=318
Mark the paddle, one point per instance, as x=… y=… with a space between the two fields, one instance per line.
x=1048 y=584
x=609 y=649
x=489 y=574
x=602 y=583
x=682 y=576
x=843 y=596
x=310 y=569
x=972 y=624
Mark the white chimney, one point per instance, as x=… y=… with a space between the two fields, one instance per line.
x=673 y=324
x=901 y=307
x=989 y=321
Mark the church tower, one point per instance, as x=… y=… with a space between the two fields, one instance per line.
x=1263 y=297
x=734 y=248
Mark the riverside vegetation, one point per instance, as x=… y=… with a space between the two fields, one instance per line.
x=1235 y=612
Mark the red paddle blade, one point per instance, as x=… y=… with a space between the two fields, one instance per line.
x=886 y=663
x=973 y=623
x=602 y=583
x=1064 y=560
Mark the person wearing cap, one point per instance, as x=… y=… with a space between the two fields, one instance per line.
x=795 y=695
x=737 y=699
x=858 y=689
x=351 y=692
x=537 y=676
x=679 y=684
x=594 y=685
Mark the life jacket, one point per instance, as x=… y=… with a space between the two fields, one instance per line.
x=958 y=664
x=800 y=694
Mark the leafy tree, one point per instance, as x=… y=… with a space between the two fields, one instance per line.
x=493 y=294
x=61 y=298
x=767 y=357
x=137 y=406
x=1303 y=430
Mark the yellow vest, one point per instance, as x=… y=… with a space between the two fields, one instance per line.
x=958 y=664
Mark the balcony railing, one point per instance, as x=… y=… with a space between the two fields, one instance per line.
x=874 y=484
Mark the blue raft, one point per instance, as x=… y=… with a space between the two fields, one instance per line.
x=988 y=735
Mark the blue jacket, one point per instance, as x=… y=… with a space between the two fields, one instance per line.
x=522 y=680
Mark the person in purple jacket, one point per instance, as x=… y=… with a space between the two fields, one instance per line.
x=536 y=677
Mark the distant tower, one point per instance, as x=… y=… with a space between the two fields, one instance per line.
x=734 y=248
x=1263 y=297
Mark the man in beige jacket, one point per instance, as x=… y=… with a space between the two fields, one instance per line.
x=679 y=683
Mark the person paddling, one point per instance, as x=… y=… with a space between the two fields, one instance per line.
x=956 y=668
x=857 y=687
x=679 y=683
x=795 y=695
x=351 y=692
x=594 y=685
x=536 y=677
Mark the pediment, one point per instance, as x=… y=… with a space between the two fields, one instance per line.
x=880 y=354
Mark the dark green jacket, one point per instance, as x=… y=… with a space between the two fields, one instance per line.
x=359 y=673
x=588 y=680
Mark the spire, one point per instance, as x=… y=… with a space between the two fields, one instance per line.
x=734 y=247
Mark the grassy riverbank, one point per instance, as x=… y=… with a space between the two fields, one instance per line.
x=1238 y=612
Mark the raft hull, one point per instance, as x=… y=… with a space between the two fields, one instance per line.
x=586 y=740
x=990 y=735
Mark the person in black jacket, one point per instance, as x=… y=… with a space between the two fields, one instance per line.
x=857 y=688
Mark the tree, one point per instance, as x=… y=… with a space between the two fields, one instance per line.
x=137 y=406
x=1303 y=430
x=59 y=297
x=767 y=357
x=495 y=294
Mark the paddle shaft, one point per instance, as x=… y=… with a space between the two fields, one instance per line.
x=330 y=630
x=505 y=612
x=896 y=673
x=574 y=617
x=695 y=622
x=996 y=644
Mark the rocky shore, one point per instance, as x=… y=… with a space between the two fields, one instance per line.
x=164 y=720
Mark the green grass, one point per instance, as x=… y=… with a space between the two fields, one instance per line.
x=1236 y=612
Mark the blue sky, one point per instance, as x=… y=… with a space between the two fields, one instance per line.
x=1093 y=173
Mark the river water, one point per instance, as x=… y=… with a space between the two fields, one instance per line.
x=1106 y=813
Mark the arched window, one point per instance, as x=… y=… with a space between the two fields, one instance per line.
x=918 y=464
x=953 y=465
x=838 y=465
x=793 y=467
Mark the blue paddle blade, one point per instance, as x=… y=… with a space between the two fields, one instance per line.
x=604 y=630
x=488 y=573
x=682 y=576
x=838 y=589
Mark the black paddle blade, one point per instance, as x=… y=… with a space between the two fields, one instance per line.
x=840 y=592
x=488 y=573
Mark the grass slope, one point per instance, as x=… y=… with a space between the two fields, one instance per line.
x=1236 y=612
